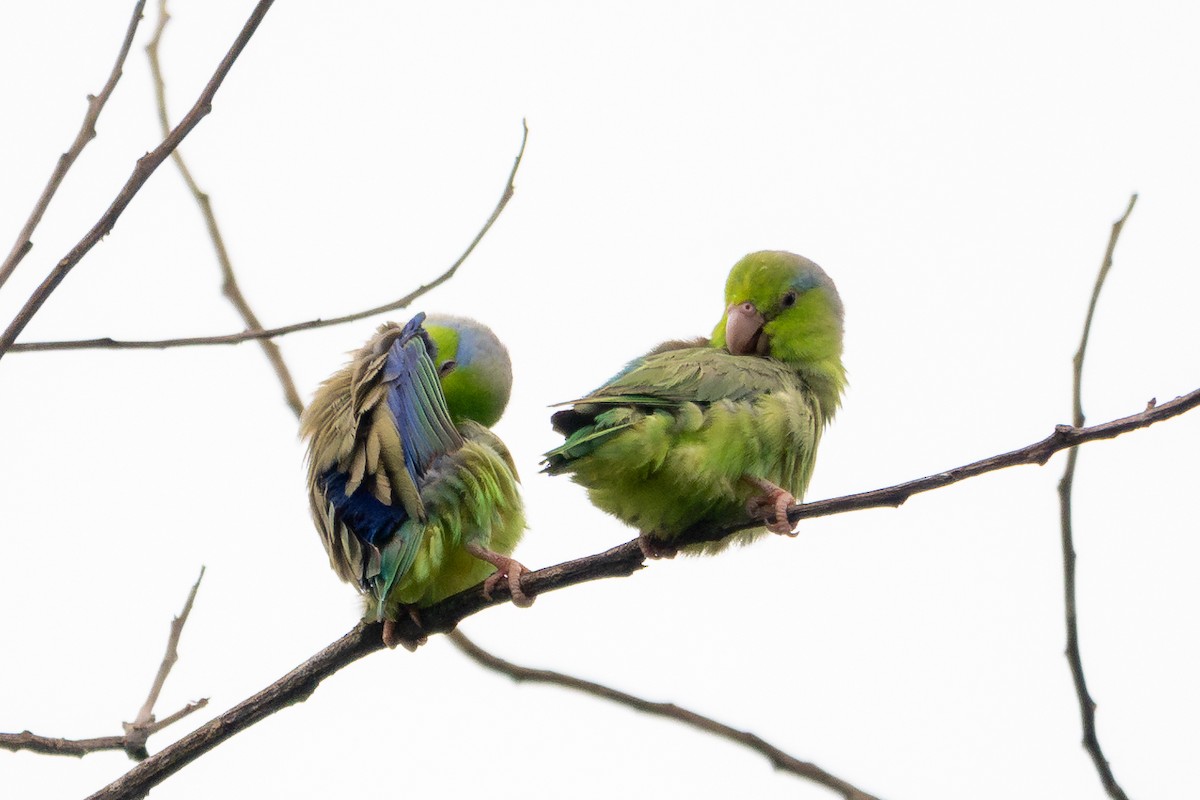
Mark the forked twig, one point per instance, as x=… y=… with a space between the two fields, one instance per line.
x=145 y=167
x=106 y=343
x=137 y=732
x=229 y=285
x=143 y=725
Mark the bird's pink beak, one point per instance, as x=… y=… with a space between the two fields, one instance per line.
x=743 y=330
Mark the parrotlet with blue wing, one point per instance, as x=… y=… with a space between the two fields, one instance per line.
x=414 y=497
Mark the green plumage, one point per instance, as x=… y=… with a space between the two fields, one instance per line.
x=678 y=439
x=478 y=386
x=473 y=499
x=402 y=478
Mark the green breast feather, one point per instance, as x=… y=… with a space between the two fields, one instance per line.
x=665 y=444
x=703 y=434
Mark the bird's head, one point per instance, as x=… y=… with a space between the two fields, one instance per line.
x=783 y=306
x=474 y=367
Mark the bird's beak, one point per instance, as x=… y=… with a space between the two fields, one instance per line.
x=743 y=330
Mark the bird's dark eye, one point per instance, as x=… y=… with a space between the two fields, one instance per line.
x=789 y=299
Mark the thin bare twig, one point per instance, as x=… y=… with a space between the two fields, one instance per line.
x=1087 y=707
x=138 y=731
x=778 y=758
x=53 y=746
x=133 y=742
x=56 y=746
x=619 y=561
x=87 y=132
x=244 y=336
x=145 y=167
x=229 y=285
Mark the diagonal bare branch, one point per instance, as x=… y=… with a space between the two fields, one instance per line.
x=229 y=285
x=778 y=758
x=1087 y=707
x=1064 y=436
x=245 y=336
x=145 y=167
x=620 y=561
x=87 y=132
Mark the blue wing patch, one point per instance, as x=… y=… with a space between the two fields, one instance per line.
x=370 y=520
x=415 y=398
x=418 y=410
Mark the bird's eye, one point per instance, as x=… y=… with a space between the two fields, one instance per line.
x=789 y=299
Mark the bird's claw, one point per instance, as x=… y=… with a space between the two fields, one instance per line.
x=655 y=549
x=392 y=637
x=511 y=571
x=506 y=569
x=772 y=507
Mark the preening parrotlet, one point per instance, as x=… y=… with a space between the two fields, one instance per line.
x=699 y=433
x=414 y=498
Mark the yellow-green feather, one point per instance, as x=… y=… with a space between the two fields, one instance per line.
x=478 y=386
x=668 y=443
x=667 y=470
x=476 y=501
x=472 y=495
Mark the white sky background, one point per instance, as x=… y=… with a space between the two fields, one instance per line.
x=956 y=171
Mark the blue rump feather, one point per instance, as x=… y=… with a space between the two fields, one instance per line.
x=370 y=520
